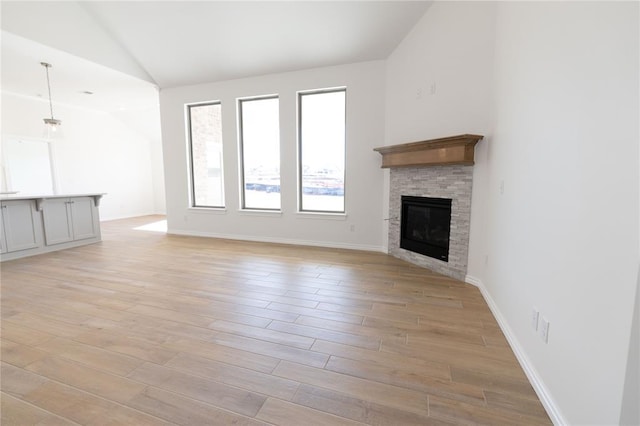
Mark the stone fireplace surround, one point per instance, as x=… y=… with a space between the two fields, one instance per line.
x=439 y=168
x=453 y=182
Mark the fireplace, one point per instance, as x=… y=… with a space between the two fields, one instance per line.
x=441 y=168
x=425 y=225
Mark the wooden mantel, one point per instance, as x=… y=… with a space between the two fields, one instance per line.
x=433 y=152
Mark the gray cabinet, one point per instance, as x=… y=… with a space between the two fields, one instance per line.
x=18 y=225
x=69 y=219
x=32 y=225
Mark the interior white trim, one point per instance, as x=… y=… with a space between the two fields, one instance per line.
x=278 y=240
x=321 y=215
x=260 y=212
x=207 y=210
x=532 y=374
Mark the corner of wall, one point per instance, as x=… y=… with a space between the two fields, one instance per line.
x=630 y=413
x=532 y=374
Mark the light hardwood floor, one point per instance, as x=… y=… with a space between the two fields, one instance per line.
x=147 y=328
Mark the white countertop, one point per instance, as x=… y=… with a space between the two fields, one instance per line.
x=19 y=196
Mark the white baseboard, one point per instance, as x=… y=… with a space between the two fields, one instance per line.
x=474 y=281
x=311 y=243
x=128 y=216
x=532 y=374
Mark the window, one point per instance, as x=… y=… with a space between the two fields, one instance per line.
x=27 y=166
x=321 y=139
x=205 y=152
x=260 y=152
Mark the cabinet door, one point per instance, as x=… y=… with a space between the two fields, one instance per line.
x=19 y=225
x=82 y=218
x=3 y=241
x=57 y=221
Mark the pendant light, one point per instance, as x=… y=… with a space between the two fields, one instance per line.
x=51 y=124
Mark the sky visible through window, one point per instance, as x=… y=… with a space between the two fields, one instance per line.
x=260 y=120
x=322 y=151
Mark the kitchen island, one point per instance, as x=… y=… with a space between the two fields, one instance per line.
x=35 y=224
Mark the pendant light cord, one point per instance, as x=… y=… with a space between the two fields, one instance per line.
x=46 y=67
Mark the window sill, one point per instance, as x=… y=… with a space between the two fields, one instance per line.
x=258 y=212
x=319 y=215
x=207 y=210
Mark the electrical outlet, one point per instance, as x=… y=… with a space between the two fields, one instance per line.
x=544 y=330
x=534 y=318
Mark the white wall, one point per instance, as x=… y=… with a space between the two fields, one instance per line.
x=563 y=137
x=98 y=153
x=145 y=123
x=630 y=412
x=364 y=180
x=564 y=235
x=449 y=52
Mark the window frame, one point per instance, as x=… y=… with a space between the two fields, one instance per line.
x=243 y=205
x=300 y=94
x=192 y=183
x=10 y=162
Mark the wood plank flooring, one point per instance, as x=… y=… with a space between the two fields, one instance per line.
x=148 y=328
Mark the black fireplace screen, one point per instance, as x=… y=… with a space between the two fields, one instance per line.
x=424 y=226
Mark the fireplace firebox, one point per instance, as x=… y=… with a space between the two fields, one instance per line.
x=425 y=225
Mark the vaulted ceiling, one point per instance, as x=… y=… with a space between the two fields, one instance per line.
x=175 y=43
